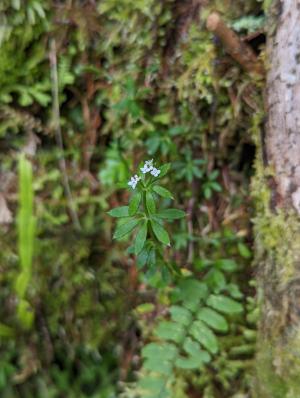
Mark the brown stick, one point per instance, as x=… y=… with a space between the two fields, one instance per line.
x=239 y=50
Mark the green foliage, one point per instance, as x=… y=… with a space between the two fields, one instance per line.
x=142 y=215
x=188 y=340
x=26 y=238
x=125 y=90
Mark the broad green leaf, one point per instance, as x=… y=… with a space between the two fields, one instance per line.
x=124 y=229
x=224 y=304
x=180 y=315
x=213 y=319
x=140 y=238
x=168 y=330
x=171 y=214
x=163 y=192
x=161 y=234
x=168 y=351
x=205 y=336
x=150 y=203
x=121 y=211
x=134 y=203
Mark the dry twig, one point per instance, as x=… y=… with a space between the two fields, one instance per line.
x=239 y=50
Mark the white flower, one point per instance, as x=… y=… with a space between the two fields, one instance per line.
x=148 y=166
x=133 y=181
x=155 y=172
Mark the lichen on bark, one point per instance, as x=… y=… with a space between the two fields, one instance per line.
x=276 y=188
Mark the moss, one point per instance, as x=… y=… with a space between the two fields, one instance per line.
x=277 y=241
x=278 y=366
x=276 y=230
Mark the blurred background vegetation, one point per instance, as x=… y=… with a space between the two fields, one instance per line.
x=88 y=89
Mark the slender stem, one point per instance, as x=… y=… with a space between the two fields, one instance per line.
x=58 y=135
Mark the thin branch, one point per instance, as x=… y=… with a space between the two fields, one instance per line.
x=58 y=134
x=239 y=50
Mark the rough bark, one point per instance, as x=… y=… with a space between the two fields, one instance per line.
x=277 y=225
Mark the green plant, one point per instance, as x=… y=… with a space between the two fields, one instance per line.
x=26 y=237
x=189 y=168
x=189 y=339
x=143 y=217
x=210 y=184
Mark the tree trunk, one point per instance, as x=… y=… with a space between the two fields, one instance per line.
x=276 y=188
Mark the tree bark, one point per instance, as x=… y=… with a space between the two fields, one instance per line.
x=276 y=188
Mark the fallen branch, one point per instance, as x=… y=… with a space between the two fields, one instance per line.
x=239 y=50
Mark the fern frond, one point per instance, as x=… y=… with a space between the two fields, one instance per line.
x=188 y=340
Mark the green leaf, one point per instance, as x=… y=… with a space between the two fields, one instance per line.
x=121 y=211
x=216 y=187
x=213 y=175
x=180 y=315
x=152 y=384
x=134 y=203
x=234 y=291
x=224 y=304
x=216 y=280
x=168 y=351
x=190 y=290
x=161 y=234
x=140 y=238
x=171 y=214
x=168 y=330
x=158 y=365
x=243 y=250
x=164 y=170
x=213 y=319
x=192 y=348
x=150 y=203
x=192 y=362
x=124 y=229
x=162 y=191
x=205 y=336
x=226 y=265
x=143 y=257
x=207 y=193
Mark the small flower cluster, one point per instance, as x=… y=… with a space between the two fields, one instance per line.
x=133 y=181
x=148 y=167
